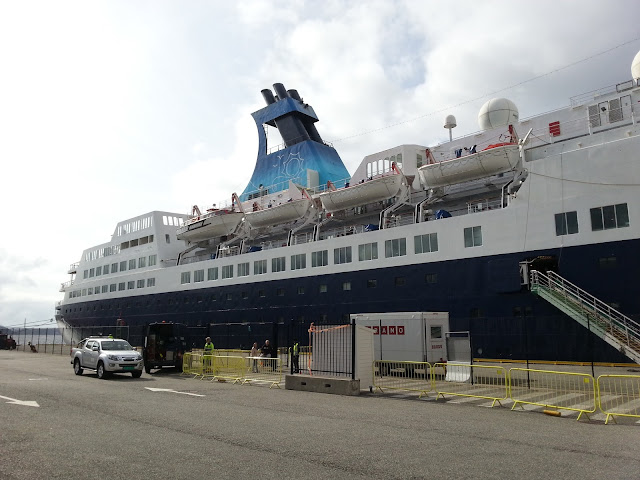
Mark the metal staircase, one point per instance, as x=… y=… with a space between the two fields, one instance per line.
x=612 y=326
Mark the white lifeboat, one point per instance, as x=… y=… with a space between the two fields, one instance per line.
x=497 y=158
x=214 y=223
x=283 y=213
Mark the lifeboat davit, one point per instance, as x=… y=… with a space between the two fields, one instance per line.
x=283 y=213
x=497 y=158
x=216 y=223
x=375 y=190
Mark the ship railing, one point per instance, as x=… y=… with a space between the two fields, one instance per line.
x=270 y=245
x=625 y=330
x=73 y=268
x=65 y=285
x=229 y=251
x=302 y=238
x=483 y=205
x=583 y=98
x=399 y=220
x=342 y=231
x=196 y=258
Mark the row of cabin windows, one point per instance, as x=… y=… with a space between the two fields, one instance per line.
x=113 y=287
x=602 y=218
x=122 y=266
x=368 y=251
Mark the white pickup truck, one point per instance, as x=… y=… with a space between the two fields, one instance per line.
x=106 y=356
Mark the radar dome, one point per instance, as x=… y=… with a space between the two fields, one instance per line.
x=450 y=122
x=497 y=112
x=635 y=66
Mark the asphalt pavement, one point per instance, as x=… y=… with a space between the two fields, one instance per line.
x=169 y=426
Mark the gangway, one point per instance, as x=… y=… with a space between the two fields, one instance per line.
x=613 y=327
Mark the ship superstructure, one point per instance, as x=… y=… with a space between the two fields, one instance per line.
x=455 y=227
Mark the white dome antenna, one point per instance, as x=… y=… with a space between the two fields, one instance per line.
x=497 y=112
x=449 y=124
x=635 y=67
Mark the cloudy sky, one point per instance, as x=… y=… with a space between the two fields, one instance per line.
x=111 y=109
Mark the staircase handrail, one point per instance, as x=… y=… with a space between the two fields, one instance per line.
x=589 y=304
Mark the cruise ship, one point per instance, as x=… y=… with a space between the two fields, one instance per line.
x=527 y=233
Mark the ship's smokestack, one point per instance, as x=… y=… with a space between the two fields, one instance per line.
x=308 y=124
x=267 y=94
x=280 y=90
x=290 y=126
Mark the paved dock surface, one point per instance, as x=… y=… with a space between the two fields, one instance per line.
x=84 y=427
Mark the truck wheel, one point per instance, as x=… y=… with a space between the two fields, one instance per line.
x=147 y=369
x=136 y=374
x=77 y=369
x=102 y=373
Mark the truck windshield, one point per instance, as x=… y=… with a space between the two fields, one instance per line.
x=116 y=345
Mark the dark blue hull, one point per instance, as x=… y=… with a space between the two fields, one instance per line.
x=482 y=295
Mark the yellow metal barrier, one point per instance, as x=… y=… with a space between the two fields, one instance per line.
x=196 y=364
x=226 y=368
x=558 y=390
x=207 y=366
x=619 y=395
x=186 y=363
x=263 y=370
x=409 y=376
x=476 y=381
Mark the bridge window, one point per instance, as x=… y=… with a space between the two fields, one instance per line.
x=611 y=216
x=132 y=264
x=114 y=268
x=243 y=269
x=212 y=273
x=320 y=259
x=278 y=264
x=152 y=260
x=105 y=270
x=298 y=262
x=472 y=237
x=341 y=255
x=426 y=243
x=227 y=271
x=198 y=276
x=395 y=248
x=259 y=267
x=142 y=262
x=368 y=251
x=566 y=223
x=98 y=271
